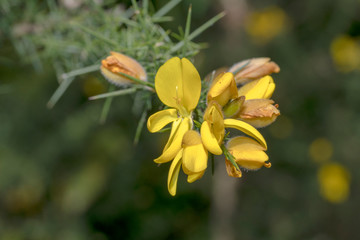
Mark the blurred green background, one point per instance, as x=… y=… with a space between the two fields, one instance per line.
x=65 y=176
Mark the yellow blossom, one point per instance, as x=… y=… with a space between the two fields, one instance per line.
x=266 y=24
x=258 y=110
x=192 y=157
x=223 y=89
x=120 y=63
x=178 y=85
x=345 y=51
x=248 y=153
x=213 y=129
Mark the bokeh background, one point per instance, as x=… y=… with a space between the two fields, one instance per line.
x=65 y=176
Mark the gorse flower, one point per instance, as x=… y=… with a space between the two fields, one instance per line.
x=178 y=86
x=192 y=157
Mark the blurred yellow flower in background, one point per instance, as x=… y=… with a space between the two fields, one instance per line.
x=334 y=182
x=321 y=150
x=264 y=25
x=345 y=52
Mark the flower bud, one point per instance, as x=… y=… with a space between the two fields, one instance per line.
x=254 y=68
x=120 y=63
x=259 y=112
x=233 y=107
x=223 y=89
x=213 y=129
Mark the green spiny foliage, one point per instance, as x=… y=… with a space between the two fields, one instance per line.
x=75 y=43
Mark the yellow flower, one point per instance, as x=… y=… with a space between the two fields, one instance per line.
x=345 y=51
x=223 y=89
x=248 y=153
x=258 y=110
x=266 y=24
x=192 y=157
x=213 y=129
x=178 y=85
x=120 y=63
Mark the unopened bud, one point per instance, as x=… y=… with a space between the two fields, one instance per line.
x=117 y=63
x=233 y=107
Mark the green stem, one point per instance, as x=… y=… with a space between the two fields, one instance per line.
x=140 y=127
x=81 y=71
x=106 y=107
x=148 y=84
x=198 y=31
x=59 y=92
x=114 y=93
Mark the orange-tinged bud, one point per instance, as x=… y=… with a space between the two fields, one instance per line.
x=259 y=112
x=120 y=63
x=254 y=68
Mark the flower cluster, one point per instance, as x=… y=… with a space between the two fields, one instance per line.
x=238 y=98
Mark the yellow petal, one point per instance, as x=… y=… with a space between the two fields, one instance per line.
x=209 y=140
x=195 y=176
x=195 y=156
x=270 y=90
x=174 y=143
x=174 y=128
x=160 y=119
x=178 y=84
x=174 y=173
x=246 y=128
x=261 y=88
x=248 y=153
x=223 y=89
x=215 y=118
